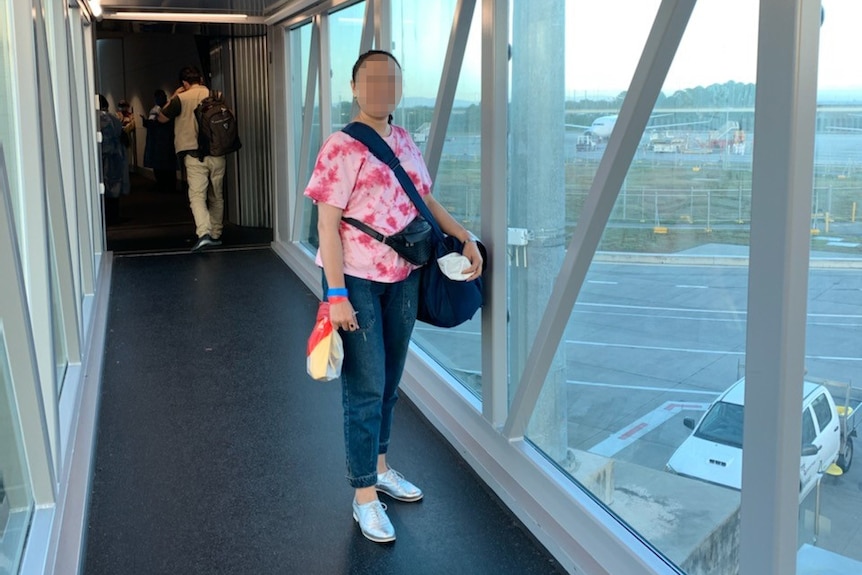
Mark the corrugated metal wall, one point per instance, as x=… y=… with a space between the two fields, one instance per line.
x=240 y=69
x=251 y=95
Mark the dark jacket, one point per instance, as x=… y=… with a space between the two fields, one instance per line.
x=159 y=151
x=115 y=168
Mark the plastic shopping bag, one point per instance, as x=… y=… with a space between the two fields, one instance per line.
x=325 y=351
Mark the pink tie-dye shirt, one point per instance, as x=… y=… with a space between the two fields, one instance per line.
x=349 y=177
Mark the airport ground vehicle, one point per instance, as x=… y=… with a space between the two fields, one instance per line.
x=585 y=143
x=848 y=400
x=713 y=451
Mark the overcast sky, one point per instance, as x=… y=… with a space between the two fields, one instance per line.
x=603 y=40
x=720 y=44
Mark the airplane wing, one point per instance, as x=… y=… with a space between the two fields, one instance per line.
x=582 y=127
x=677 y=125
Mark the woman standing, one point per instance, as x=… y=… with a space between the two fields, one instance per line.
x=372 y=291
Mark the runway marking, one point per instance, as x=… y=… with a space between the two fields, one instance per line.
x=602 y=282
x=633 y=430
x=626 y=436
x=691 y=286
x=704 y=311
x=654 y=347
x=688 y=350
x=646 y=347
x=659 y=316
x=705 y=319
x=643 y=387
x=659 y=308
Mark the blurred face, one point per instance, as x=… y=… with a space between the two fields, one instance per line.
x=378 y=86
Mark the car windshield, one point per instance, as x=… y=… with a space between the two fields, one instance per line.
x=723 y=424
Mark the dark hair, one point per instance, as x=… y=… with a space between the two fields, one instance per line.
x=363 y=57
x=103 y=102
x=369 y=54
x=160 y=97
x=191 y=75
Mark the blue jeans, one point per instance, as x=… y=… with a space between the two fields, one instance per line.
x=374 y=358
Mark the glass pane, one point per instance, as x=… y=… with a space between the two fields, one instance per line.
x=61 y=357
x=832 y=501
x=657 y=333
x=422 y=32
x=345 y=32
x=299 y=50
x=8 y=117
x=16 y=499
x=416 y=25
x=300 y=53
x=54 y=187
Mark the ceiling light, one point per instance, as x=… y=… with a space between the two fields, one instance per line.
x=197 y=17
x=95 y=8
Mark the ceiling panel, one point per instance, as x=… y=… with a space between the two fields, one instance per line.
x=250 y=7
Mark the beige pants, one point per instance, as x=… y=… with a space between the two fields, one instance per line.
x=200 y=174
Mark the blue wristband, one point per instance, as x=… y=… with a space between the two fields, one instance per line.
x=331 y=292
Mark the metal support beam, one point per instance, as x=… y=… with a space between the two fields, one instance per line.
x=17 y=345
x=658 y=53
x=449 y=84
x=366 y=41
x=383 y=24
x=33 y=81
x=495 y=106
x=81 y=137
x=785 y=110
x=325 y=79
x=307 y=117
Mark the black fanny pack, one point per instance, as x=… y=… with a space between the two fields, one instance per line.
x=413 y=243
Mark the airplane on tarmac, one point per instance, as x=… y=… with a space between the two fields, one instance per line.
x=602 y=126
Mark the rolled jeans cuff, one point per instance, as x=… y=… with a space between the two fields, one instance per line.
x=364 y=481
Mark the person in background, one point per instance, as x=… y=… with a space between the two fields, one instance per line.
x=372 y=291
x=159 y=152
x=115 y=169
x=200 y=171
x=125 y=113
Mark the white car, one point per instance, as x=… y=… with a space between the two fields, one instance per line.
x=713 y=452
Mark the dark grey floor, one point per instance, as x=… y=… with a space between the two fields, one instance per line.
x=155 y=221
x=217 y=454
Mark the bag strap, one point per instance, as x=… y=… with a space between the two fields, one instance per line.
x=367 y=229
x=377 y=145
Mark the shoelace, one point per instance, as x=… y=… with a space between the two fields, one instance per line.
x=396 y=477
x=377 y=512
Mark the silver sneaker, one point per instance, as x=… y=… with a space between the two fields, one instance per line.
x=395 y=486
x=373 y=521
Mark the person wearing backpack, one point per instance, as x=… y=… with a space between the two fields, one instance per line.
x=201 y=168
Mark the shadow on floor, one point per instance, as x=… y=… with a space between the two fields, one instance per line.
x=155 y=221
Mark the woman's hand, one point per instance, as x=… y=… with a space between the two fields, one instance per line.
x=453 y=228
x=342 y=315
x=472 y=253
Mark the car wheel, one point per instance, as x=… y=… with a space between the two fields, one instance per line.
x=846 y=457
